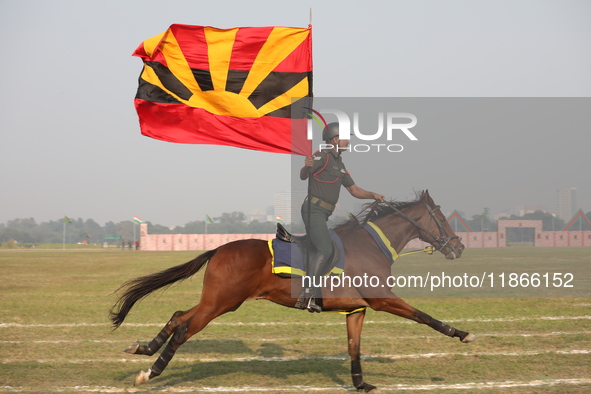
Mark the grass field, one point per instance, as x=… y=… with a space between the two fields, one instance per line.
x=55 y=334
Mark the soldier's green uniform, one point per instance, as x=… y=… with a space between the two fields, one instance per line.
x=327 y=175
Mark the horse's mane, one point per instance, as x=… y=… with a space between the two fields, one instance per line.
x=373 y=211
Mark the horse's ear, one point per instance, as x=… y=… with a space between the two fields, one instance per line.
x=425 y=196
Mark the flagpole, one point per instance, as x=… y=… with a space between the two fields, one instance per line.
x=64 y=237
x=308 y=214
x=134 y=223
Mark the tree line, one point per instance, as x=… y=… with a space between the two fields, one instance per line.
x=28 y=231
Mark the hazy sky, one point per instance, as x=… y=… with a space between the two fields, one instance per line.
x=70 y=141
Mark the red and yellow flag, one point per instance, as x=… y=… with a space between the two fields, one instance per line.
x=234 y=87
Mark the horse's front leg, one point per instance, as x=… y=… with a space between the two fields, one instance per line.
x=399 y=307
x=354 y=325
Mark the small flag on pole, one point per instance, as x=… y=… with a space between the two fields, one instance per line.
x=66 y=220
x=137 y=220
x=279 y=218
x=208 y=219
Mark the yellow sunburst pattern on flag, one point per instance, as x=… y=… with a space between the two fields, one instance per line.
x=208 y=85
x=168 y=68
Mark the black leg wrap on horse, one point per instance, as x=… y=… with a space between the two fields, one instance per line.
x=178 y=337
x=437 y=325
x=162 y=362
x=357 y=377
x=356 y=373
x=169 y=350
x=156 y=343
x=442 y=327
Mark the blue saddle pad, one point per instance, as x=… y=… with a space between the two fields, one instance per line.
x=286 y=263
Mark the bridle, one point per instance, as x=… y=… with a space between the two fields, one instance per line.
x=442 y=240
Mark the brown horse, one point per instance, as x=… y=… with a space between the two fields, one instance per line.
x=241 y=270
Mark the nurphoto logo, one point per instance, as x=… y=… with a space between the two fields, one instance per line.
x=391 y=125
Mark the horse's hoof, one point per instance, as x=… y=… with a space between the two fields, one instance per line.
x=367 y=387
x=132 y=349
x=469 y=338
x=142 y=377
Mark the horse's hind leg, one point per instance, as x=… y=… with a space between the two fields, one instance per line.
x=193 y=321
x=160 y=339
x=179 y=337
x=231 y=278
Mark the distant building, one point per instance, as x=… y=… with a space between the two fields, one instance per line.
x=567 y=202
x=503 y=215
x=520 y=211
x=525 y=209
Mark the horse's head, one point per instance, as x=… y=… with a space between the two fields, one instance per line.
x=435 y=229
x=424 y=217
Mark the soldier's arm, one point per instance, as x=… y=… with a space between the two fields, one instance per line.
x=358 y=192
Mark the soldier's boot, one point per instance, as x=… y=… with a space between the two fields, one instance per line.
x=316 y=279
x=309 y=292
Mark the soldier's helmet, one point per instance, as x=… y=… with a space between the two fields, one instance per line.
x=331 y=130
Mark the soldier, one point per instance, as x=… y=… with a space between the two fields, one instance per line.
x=328 y=174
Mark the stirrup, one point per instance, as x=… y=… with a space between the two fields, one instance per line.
x=301 y=302
x=312 y=306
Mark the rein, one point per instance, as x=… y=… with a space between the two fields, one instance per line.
x=442 y=240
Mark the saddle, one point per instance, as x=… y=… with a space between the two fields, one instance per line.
x=286 y=266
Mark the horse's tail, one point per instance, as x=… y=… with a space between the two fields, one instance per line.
x=138 y=288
